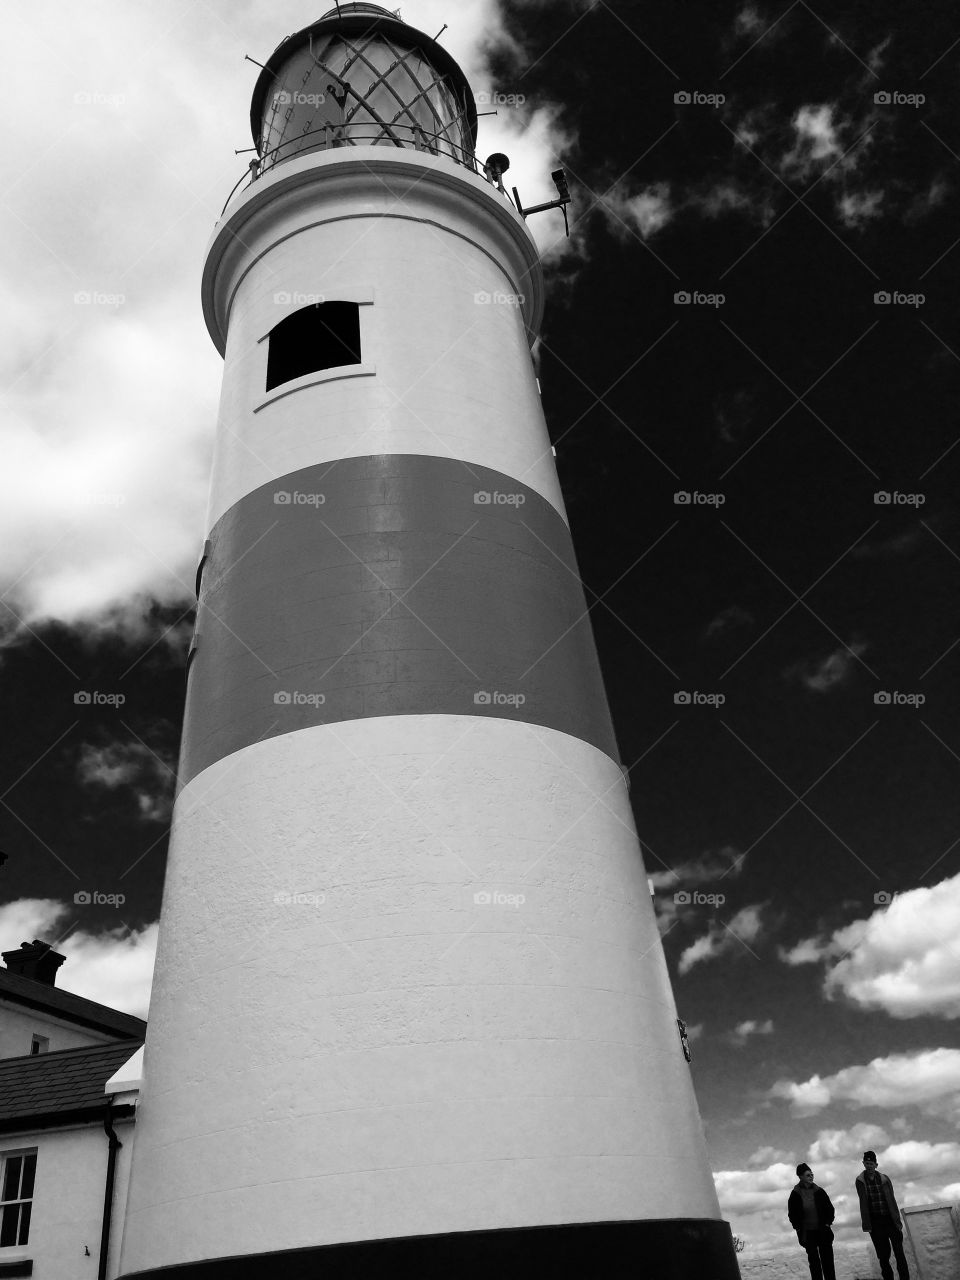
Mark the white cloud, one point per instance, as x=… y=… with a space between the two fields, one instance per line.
x=903 y=959
x=722 y=939
x=136 y=766
x=742 y=1032
x=920 y=1078
x=828 y=672
x=111 y=405
x=858 y=208
x=113 y=967
x=833 y=1144
x=646 y=212
x=816 y=139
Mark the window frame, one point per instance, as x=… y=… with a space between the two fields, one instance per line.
x=19 y=1201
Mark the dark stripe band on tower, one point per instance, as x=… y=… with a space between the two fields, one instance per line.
x=407 y=585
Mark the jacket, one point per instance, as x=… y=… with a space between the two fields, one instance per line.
x=864 y=1195
x=825 y=1211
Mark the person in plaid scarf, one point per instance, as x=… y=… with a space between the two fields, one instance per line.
x=880 y=1215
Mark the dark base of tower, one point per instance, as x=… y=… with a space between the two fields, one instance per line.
x=664 y=1249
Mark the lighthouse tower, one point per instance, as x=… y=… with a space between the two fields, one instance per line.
x=411 y=1014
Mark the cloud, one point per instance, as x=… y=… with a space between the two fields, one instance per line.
x=816 y=140
x=646 y=212
x=727 y=620
x=111 y=380
x=899 y=544
x=824 y=674
x=742 y=1032
x=903 y=959
x=858 y=208
x=113 y=967
x=769 y=1155
x=721 y=939
x=131 y=765
x=925 y=1078
x=833 y=1144
x=710 y=866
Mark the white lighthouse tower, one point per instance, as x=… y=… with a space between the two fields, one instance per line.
x=411 y=1014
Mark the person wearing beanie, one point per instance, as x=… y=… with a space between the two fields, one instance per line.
x=880 y=1215
x=810 y=1213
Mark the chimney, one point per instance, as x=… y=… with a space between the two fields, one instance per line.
x=36 y=960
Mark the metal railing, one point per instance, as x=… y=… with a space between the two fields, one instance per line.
x=349 y=135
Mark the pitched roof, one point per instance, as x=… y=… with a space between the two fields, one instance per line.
x=69 y=1007
x=43 y=1088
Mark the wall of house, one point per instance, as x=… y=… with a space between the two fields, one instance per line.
x=68 y=1200
x=18 y=1026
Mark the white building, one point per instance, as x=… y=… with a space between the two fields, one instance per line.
x=69 y=1077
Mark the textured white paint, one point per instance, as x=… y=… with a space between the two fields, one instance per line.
x=68 y=1199
x=454 y=377
x=388 y=1056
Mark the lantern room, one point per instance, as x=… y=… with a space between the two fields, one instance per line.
x=361 y=77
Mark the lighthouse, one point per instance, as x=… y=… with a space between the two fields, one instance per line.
x=411 y=1010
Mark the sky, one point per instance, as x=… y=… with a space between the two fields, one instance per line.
x=749 y=362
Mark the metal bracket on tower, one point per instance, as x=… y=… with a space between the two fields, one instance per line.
x=560 y=182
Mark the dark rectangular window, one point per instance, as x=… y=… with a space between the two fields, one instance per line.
x=19 y=1172
x=39 y=1044
x=323 y=336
